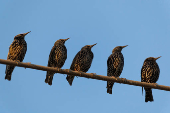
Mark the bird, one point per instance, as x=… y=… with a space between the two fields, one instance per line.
x=115 y=65
x=149 y=74
x=57 y=58
x=81 y=62
x=17 y=51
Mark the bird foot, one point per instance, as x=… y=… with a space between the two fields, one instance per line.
x=155 y=84
x=27 y=63
x=80 y=73
x=123 y=79
x=68 y=70
x=93 y=73
x=116 y=78
x=17 y=61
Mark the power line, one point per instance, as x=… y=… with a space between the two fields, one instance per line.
x=86 y=75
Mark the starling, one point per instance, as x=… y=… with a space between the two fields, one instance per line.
x=81 y=62
x=17 y=51
x=149 y=74
x=57 y=58
x=115 y=65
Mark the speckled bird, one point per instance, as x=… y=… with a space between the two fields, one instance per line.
x=150 y=74
x=17 y=51
x=115 y=65
x=57 y=58
x=81 y=62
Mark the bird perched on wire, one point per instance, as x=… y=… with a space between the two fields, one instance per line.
x=149 y=74
x=17 y=51
x=115 y=65
x=81 y=62
x=57 y=58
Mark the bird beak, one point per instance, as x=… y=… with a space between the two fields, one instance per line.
x=26 y=33
x=157 y=57
x=124 y=46
x=93 y=45
x=67 y=39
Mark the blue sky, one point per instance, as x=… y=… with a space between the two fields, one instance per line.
x=142 y=24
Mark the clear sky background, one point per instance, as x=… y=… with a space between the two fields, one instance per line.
x=144 y=25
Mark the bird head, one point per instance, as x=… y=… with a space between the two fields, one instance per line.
x=119 y=48
x=88 y=47
x=152 y=58
x=62 y=41
x=21 y=36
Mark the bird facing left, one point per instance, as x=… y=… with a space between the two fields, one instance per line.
x=17 y=51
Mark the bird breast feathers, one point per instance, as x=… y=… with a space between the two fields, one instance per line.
x=14 y=51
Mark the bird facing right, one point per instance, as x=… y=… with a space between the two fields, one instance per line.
x=57 y=58
x=17 y=51
x=149 y=74
x=81 y=62
x=115 y=65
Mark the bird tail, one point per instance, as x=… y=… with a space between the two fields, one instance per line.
x=49 y=78
x=142 y=90
x=148 y=95
x=8 y=72
x=109 y=87
x=70 y=79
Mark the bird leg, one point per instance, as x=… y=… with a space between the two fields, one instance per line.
x=80 y=73
x=116 y=78
x=124 y=80
x=17 y=61
x=93 y=73
x=27 y=63
x=156 y=84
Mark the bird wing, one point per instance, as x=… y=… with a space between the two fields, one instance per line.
x=156 y=72
x=146 y=73
x=87 y=62
x=51 y=58
x=15 y=50
x=78 y=60
x=113 y=64
x=57 y=56
x=60 y=56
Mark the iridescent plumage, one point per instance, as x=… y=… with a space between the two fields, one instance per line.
x=150 y=74
x=115 y=65
x=17 y=51
x=57 y=58
x=81 y=62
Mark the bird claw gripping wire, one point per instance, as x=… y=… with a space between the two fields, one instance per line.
x=27 y=63
x=17 y=61
x=156 y=84
x=68 y=70
x=116 y=78
x=80 y=73
x=124 y=80
x=93 y=73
